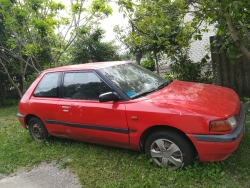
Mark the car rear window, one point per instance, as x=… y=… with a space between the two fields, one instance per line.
x=48 y=86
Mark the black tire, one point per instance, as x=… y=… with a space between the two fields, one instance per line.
x=38 y=130
x=169 y=149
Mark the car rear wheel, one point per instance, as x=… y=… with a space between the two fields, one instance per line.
x=38 y=130
x=169 y=150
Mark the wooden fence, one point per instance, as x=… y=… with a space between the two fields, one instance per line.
x=233 y=75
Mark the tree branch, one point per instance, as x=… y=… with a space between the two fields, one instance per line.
x=10 y=79
x=245 y=30
x=236 y=39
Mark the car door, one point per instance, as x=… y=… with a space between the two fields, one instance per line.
x=84 y=117
x=43 y=102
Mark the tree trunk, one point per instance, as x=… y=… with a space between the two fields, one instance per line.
x=236 y=39
x=21 y=81
x=2 y=90
x=11 y=81
x=138 y=57
x=156 y=63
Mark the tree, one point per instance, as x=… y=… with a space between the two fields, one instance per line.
x=232 y=20
x=89 y=48
x=157 y=26
x=3 y=36
x=36 y=38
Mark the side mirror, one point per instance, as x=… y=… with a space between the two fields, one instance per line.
x=109 y=96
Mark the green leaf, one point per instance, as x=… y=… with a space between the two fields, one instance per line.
x=227 y=16
x=197 y=37
x=235 y=4
x=171 y=178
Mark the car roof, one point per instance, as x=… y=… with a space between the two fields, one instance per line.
x=87 y=66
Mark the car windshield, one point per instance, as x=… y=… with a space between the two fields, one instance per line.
x=134 y=80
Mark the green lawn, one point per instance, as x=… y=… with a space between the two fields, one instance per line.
x=101 y=166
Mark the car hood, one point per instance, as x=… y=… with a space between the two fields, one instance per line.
x=198 y=98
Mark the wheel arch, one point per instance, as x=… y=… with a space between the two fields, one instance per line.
x=156 y=128
x=28 y=117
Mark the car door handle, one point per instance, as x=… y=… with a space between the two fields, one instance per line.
x=65 y=108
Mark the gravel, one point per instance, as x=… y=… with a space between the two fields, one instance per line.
x=44 y=175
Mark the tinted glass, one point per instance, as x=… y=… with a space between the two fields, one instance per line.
x=83 y=85
x=48 y=86
x=132 y=79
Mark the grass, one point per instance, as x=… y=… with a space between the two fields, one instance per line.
x=101 y=166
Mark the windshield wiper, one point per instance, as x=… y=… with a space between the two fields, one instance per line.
x=143 y=94
x=151 y=91
x=164 y=84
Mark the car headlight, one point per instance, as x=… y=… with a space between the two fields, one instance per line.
x=223 y=125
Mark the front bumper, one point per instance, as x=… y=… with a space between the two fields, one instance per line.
x=219 y=147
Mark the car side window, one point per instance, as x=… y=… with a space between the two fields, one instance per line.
x=83 y=85
x=48 y=86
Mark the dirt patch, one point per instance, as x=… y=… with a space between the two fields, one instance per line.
x=44 y=175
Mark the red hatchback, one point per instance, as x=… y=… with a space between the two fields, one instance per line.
x=124 y=105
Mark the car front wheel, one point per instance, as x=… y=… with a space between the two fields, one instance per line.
x=169 y=150
x=38 y=130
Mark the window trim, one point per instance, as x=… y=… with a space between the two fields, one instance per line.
x=113 y=86
x=106 y=81
x=58 y=85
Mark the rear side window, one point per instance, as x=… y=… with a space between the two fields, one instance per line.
x=48 y=86
x=83 y=85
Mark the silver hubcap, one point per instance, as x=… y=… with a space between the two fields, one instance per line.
x=38 y=132
x=166 y=154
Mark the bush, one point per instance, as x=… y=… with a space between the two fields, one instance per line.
x=183 y=68
x=148 y=64
x=169 y=76
x=30 y=79
x=9 y=102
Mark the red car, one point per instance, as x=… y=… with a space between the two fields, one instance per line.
x=124 y=105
